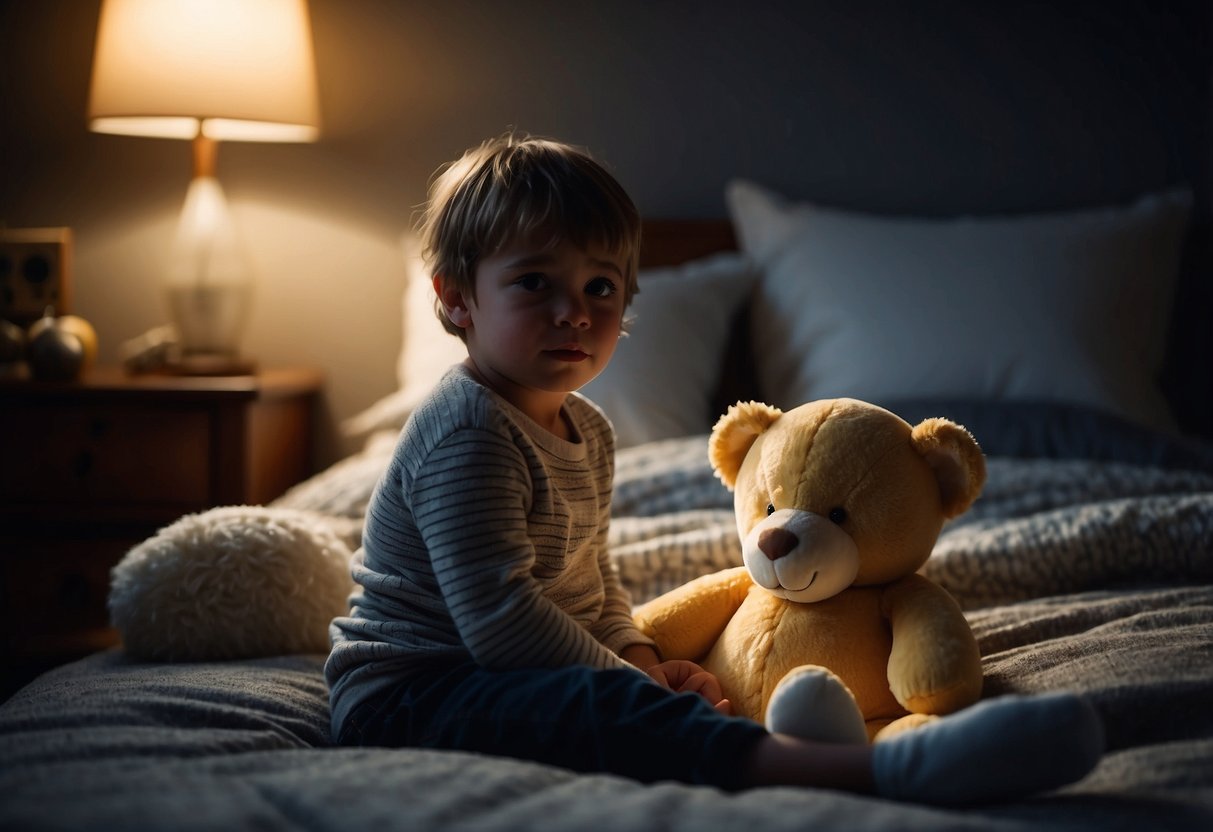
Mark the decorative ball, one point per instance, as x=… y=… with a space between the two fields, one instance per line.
x=55 y=355
x=83 y=330
x=60 y=348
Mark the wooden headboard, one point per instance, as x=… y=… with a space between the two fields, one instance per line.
x=669 y=242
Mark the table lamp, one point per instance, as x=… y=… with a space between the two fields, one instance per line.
x=207 y=71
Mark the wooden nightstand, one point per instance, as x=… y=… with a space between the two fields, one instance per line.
x=89 y=469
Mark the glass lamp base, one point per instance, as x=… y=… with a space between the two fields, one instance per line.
x=209 y=285
x=209 y=319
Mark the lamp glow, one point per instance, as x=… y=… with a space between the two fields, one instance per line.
x=207 y=71
x=244 y=67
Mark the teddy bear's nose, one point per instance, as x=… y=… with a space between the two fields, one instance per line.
x=775 y=543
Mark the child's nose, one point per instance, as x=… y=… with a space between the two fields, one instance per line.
x=573 y=311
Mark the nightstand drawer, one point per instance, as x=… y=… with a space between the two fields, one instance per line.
x=90 y=468
x=111 y=454
x=54 y=590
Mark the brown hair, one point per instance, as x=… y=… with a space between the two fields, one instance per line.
x=509 y=189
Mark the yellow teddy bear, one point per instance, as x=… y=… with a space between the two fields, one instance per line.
x=828 y=632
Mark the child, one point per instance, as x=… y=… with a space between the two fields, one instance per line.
x=489 y=618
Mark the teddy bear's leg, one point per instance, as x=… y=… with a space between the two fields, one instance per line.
x=883 y=729
x=812 y=703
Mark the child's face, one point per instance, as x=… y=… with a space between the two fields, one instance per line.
x=544 y=319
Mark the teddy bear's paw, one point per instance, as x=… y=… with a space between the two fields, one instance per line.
x=812 y=703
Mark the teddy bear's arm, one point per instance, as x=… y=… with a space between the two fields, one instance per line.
x=685 y=622
x=935 y=665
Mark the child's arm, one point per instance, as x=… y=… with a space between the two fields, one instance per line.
x=470 y=500
x=642 y=656
x=615 y=627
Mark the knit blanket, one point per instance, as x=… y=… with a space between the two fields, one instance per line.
x=1084 y=576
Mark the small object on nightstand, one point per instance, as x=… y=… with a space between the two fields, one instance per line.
x=55 y=356
x=159 y=351
x=12 y=346
x=35 y=272
x=152 y=351
x=60 y=348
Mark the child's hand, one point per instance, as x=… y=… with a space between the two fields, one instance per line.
x=680 y=675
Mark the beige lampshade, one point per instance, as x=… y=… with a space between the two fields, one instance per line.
x=226 y=69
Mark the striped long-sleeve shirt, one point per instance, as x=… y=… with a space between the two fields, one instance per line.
x=484 y=540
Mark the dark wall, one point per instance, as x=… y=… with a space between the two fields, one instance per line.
x=933 y=106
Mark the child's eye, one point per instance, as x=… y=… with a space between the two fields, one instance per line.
x=531 y=282
x=600 y=287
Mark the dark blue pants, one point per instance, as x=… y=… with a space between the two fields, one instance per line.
x=616 y=721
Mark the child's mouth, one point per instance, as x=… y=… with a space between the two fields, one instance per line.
x=568 y=355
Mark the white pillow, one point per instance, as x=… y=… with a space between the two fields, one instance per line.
x=660 y=381
x=427 y=350
x=1066 y=306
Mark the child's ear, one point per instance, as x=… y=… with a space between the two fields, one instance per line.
x=453 y=303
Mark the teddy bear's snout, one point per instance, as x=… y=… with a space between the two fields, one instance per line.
x=775 y=543
x=800 y=555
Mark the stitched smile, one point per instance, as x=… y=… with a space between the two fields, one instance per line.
x=806 y=586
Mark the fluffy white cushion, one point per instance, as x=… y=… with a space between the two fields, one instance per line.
x=1052 y=307
x=659 y=382
x=231 y=583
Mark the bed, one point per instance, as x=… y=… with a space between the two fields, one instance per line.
x=1086 y=565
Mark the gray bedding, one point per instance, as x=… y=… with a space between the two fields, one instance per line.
x=1080 y=575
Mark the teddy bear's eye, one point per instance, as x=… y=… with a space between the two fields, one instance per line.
x=770 y=509
x=838 y=515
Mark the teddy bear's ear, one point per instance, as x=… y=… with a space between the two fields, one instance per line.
x=734 y=434
x=956 y=459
